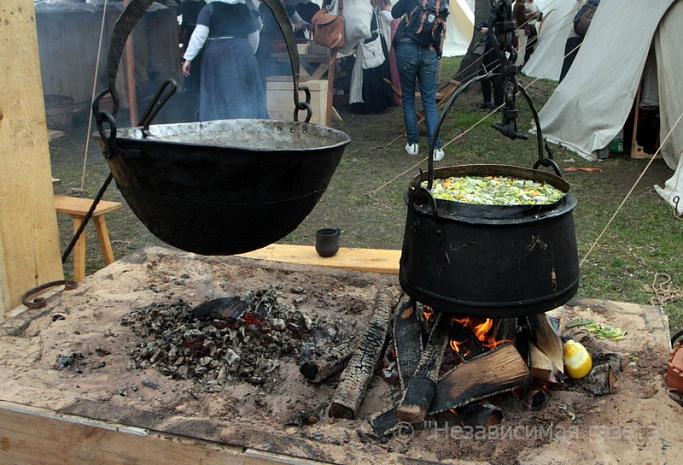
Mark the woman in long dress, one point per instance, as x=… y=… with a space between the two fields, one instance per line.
x=370 y=92
x=231 y=87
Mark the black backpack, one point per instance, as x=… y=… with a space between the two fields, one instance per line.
x=426 y=21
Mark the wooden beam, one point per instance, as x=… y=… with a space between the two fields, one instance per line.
x=28 y=230
x=366 y=260
x=59 y=439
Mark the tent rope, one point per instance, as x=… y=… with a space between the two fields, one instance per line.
x=662 y=290
x=92 y=95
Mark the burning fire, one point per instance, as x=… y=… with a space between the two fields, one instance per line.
x=483 y=330
x=427 y=312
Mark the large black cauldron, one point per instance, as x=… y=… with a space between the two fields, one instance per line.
x=218 y=187
x=486 y=260
x=224 y=187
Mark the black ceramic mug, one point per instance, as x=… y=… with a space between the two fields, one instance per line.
x=327 y=241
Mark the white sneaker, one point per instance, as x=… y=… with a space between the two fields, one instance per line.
x=412 y=149
x=439 y=154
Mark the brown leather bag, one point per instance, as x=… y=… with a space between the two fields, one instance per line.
x=328 y=30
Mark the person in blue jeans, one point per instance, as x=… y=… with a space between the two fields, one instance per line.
x=418 y=65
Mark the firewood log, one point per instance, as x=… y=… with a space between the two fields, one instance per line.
x=418 y=396
x=407 y=340
x=357 y=375
x=318 y=363
x=547 y=340
x=499 y=370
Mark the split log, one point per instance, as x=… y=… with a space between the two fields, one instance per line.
x=479 y=415
x=499 y=370
x=558 y=319
x=420 y=392
x=318 y=363
x=506 y=329
x=547 y=340
x=407 y=340
x=600 y=381
x=357 y=375
x=542 y=368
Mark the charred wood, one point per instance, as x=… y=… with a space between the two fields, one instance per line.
x=479 y=415
x=223 y=308
x=357 y=375
x=506 y=329
x=383 y=423
x=600 y=381
x=613 y=359
x=420 y=391
x=407 y=340
x=499 y=370
x=535 y=397
x=317 y=363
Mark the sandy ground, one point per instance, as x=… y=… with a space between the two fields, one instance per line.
x=638 y=423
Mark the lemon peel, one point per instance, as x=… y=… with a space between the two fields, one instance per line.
x=577 y=360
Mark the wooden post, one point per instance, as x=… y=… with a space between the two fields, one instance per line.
x=29 y=238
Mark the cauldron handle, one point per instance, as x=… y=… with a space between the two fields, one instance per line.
x=447 y=107
x=542 y=161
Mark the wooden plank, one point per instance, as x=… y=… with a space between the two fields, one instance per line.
x=28 y=230
x=367 y=260
x=33 y=436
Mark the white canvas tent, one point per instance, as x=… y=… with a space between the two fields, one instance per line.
x=459 y=28
x=590 y=106
x=546 y=61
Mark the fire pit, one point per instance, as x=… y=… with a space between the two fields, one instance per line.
x=76 y=358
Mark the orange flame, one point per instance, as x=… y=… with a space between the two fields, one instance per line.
x=428 y=312
x=482 y=329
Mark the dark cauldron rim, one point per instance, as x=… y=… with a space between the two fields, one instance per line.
x=452 y=210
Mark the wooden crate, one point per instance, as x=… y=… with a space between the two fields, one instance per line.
x=281 y=100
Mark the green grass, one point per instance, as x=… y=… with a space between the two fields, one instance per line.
x=365 y=196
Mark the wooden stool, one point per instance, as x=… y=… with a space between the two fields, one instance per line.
x=77 y=208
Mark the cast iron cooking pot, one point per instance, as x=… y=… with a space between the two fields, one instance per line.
x=217 y=187
x=487 y=260
x=226 y=186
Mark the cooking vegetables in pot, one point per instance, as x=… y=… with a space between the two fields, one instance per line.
x=494 y=190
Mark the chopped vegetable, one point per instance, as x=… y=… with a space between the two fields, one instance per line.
x=606 y=332
x=600 y=331
x=494 y=190
x=580 y=322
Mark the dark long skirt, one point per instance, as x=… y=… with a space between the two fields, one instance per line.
x=377 y=94
x=230 y=82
